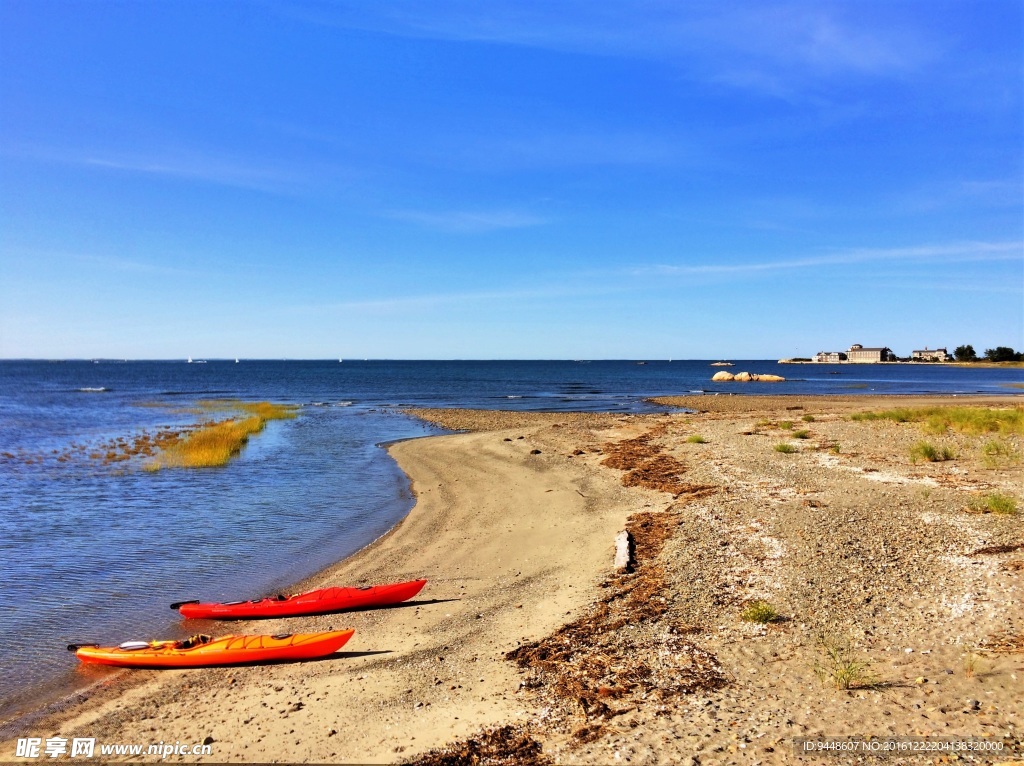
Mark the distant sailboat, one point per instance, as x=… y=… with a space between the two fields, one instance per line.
x=190 y=360
x=236 y=360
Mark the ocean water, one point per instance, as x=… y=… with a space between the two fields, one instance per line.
x=93 y=552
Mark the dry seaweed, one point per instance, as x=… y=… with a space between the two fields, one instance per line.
x=626 y=652
x=505 y=745
x=1004 y=642
x=994 y=549
x=630 y=453
x=647 y=466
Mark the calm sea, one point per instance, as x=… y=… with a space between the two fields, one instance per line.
x=94 y=552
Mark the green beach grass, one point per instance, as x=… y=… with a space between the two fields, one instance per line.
x=968 y=420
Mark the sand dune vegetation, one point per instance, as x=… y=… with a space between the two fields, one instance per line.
x=968 y=420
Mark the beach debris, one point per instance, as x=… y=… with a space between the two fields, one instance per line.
x=1004 y=642
x=623 y=551
x=996 y=549
x=647 y=466
x=601 y=665
x=501 y=746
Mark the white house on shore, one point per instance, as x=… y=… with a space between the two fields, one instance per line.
x=830 y=357
x=931 y=355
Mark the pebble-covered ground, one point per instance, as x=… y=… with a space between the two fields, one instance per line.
x=878 y=564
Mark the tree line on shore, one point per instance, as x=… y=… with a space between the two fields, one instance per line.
x=966 y=353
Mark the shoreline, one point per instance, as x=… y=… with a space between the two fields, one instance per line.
x=384 y=560
x=506 y=568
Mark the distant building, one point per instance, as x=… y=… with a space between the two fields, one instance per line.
x=830 y=357
x=931 y=355
x=858 y=353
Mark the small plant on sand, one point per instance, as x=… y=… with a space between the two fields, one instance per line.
x=995 y=502
x=923 y=451
x=838 y=666
x=760 y=612
x=972 y=663
x=696 y=439
x=834 y=449
x=808 y=418
x=785 y=448
x=998 y=454
x=786 y=424
x=802 y=434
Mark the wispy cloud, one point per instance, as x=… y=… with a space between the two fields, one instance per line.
x=131 y=265
x=204 y=169
x=749 y=45
x=469 y=221
x=949 y=253
x=184 y=164
x=405 y=303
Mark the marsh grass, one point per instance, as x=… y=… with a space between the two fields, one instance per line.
x=215 y=443
x=929 y=453
x=265 y=410
x=785 y=448
x=760 y=612
x=838 y=666
x=968 y=420
x=696 y=439
x=995 y=502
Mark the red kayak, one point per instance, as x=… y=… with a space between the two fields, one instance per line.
x=314 y=602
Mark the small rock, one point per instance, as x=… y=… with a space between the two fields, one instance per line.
x=209 y=740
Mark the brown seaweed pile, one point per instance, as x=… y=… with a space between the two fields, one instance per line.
x=1004 y=642
x=647 y=466
x=502 y=746
x=627 y=652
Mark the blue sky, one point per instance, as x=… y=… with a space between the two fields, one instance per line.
x=636 y=179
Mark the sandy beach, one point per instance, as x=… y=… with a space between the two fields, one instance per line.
x=527 y=645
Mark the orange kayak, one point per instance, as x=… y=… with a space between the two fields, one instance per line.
x=314 y=602
x=204 y=651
